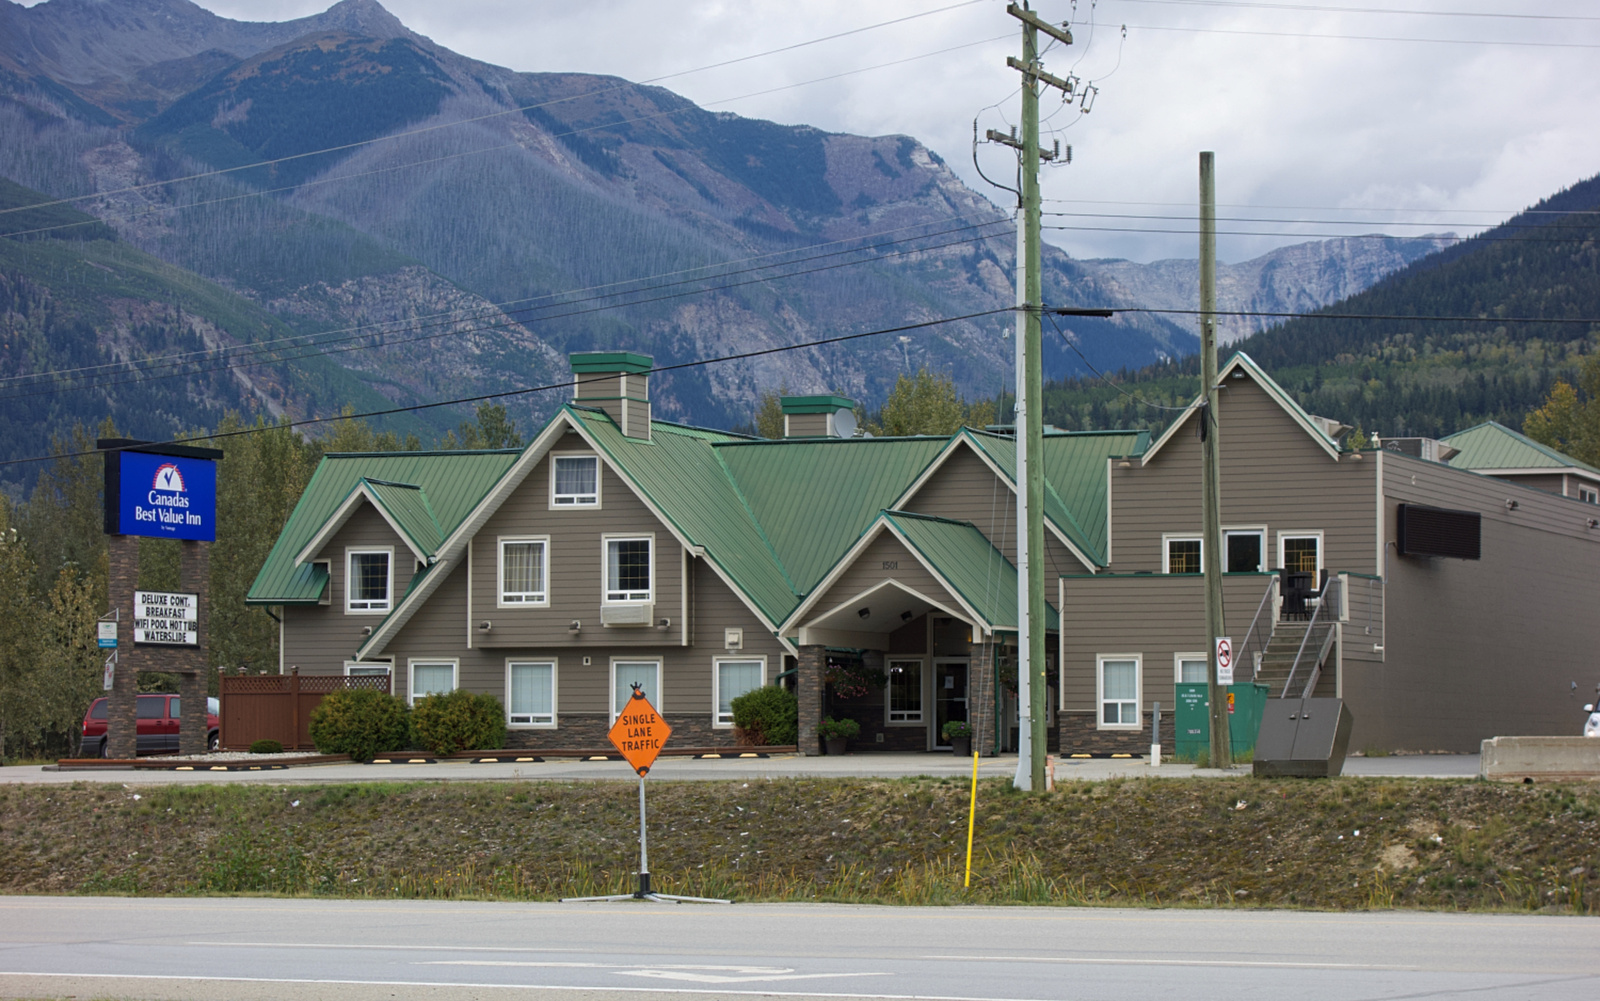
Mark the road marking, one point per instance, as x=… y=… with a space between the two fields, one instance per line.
x=1086 y=960
x=707 y=974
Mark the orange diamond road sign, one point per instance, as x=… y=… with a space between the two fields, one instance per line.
x=640 y=732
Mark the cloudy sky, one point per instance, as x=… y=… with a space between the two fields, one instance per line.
x=1345 y=116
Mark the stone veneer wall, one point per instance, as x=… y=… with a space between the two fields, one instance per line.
x=1078 y=735
x=808 y=687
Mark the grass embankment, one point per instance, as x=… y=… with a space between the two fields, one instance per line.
x=1348 y=843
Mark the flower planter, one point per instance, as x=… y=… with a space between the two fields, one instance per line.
x=836 y=745
x=961 y=747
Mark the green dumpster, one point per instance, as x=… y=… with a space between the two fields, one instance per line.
x=1192 y=721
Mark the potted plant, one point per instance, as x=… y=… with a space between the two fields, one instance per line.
x=958 y=734
x=836 y=733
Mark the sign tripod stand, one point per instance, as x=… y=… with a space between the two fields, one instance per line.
x=640 y=733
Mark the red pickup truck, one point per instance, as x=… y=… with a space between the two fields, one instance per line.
x=158 y=725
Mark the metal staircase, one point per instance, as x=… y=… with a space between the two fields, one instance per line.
x=1278 y=661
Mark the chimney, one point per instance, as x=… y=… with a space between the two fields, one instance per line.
x=818 y=417
x=617 y=382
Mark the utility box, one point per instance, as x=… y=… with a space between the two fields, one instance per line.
x=1303 y=738
x=1191 y=722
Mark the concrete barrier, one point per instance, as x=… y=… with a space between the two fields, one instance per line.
x=1516 y=759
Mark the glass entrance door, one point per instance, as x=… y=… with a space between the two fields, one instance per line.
x=949 y=696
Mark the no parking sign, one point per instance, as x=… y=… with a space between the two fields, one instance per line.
x=1224 y=660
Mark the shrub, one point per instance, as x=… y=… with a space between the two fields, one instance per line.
x=266 y=747
x=768 y=715
x=458 y=721
x=360 y=723
x=831 y=727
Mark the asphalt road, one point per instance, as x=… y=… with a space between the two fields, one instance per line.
x=291 y=949
x=667 y=768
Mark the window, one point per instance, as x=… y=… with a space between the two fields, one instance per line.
x=733 y=679
x=1190 y=668
x=531 y=693
x=1245 y=550
x=523 y=572
x=1300 y=553
x=1589 y=495
x=575 y=481
x=625 y=674
x=628 y=569
x=366 y=669
x=432 y=677
x=1182 y=554
x=1119 y=691
x=152 y=707
x=905 y=691
x=369 y=580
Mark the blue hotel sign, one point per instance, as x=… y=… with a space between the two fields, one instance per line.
x=170 y=494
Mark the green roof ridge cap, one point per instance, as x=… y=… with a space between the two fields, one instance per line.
x=825 y=404
x=596 y=362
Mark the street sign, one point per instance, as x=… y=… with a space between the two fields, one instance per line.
x=166 y=617
x=1224 y=660
x=639 y=732
x=108 y=635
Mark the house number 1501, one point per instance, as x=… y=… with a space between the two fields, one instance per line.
x=891 y=564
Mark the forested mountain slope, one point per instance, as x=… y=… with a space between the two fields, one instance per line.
x=1400 y=374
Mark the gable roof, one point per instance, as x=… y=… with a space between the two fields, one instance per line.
x=423 y=494
x=1312 y=426
x=966 y=562
x=1491 y=446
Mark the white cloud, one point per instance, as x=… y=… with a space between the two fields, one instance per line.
x=1356 y=122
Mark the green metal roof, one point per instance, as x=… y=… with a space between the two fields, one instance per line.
x=595 y=362
x=969 y=564
x=1495 y=446
x=407 y=507
x=814 y=404
x=453 y=482
x=814 y=497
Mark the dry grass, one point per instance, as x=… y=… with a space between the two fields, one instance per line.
x=1234 y=842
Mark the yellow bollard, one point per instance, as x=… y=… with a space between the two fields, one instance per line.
x=972 y=816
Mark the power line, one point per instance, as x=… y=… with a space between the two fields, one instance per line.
x=1325 y=208
x=739 y=356
x=1324 y=35
x=1099 y=374
x=1325 y=9
x=314 y=351
x=1287 y=222
x=1482 y=238
x=497 y=114
x=1591 y=320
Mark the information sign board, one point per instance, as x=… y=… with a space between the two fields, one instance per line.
x=166 y=618
x=161 y=496
x=639 y=732
x=108 y=635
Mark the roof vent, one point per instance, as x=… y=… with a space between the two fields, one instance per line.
x=617 y=382
x=1429 y=449
x=818 y=417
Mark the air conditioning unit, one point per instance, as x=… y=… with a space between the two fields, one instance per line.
x=627 y=615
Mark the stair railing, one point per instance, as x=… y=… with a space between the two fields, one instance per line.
x=1254 y=647
x=1327 y=611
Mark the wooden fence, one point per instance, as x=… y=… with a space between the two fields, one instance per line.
x=278 y=706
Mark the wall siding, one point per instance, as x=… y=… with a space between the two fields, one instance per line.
x=318 y=639
x=1480 y=648
x=1273 y=474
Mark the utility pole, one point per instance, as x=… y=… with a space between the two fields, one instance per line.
x=1031 y=667
x=1211 y=555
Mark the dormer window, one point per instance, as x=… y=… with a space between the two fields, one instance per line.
x=369 y=580
x=575 y=481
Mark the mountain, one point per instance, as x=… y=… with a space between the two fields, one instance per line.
x=470 y=225
x=1293 y=279
x=1392 y=372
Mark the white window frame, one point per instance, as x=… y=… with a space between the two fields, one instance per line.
x=356 y=668
x=1589 y=495
x=605 y=568
x=411 y=674
x=1166 y=551
x=1100 y=691
x=555 y=694
x=327 y=586
x=1177 y=665
x=921 y=718
x=1260 y=530
x=611 y=688
x=579 y=501
x=350 y=553
x=1322 y=551
x=528 y=599
x=716 y=685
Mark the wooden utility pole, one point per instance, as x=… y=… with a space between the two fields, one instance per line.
x=1032 y=681
x=1211 y=555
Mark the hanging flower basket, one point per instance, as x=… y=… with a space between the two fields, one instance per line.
x=852 y=679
